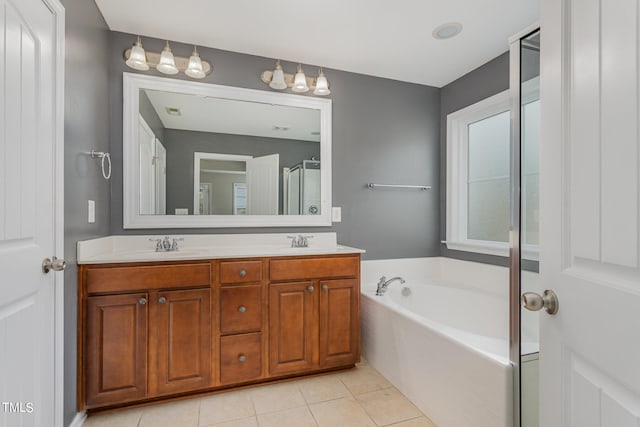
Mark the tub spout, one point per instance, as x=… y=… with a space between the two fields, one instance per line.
x=383 y=284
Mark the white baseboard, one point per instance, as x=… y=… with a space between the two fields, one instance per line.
x=79 y=419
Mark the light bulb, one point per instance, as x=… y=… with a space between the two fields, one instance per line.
x=277 y=80
x=194 y=69
x=300 y=81
x=167 y=64
x=322 y=85
x=137 y=57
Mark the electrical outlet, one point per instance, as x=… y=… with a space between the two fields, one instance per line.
x=91 y=209
x=336 y=214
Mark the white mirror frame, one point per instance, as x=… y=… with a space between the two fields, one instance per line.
x=132 y=83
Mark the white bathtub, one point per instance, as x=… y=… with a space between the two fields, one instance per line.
x=445 y=345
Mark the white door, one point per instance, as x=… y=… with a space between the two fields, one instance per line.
x=590 y=186
x=31 y=207
x=262 y=185
x=160 y=165
x=147 y=146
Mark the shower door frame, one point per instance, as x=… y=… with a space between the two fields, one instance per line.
x=515 y=226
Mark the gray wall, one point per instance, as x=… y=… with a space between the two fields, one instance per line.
x=181 y=145
x=383 y=131
x=86 y=127
x=150 y=116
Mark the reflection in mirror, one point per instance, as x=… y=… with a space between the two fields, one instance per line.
x=203 y=155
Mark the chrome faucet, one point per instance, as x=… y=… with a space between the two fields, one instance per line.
x=299 y=241
x=167 y=245
x=383 y=284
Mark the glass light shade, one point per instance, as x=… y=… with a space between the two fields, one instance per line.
x=300 y=82
x=137 y=57
x=194 y=69
x=277 y=80
x=322 y=85
x=167 y=64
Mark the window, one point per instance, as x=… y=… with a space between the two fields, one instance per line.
x=478 y=169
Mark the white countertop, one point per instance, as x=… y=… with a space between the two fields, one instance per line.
x=116 y=249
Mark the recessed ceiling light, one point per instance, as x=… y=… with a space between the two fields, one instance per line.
x=446 y=31
x=174 y=111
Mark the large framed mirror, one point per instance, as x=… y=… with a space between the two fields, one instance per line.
x=199 y=155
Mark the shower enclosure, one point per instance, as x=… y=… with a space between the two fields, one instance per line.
x=302 y=188
x=524 y=232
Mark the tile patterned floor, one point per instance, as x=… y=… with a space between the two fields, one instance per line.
x=357 y=398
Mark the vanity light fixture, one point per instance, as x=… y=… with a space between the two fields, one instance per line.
x=322 y=85
x=279 y=80
x=194 y=69
x=165 y=62
x=137 y=58
x=300 y=81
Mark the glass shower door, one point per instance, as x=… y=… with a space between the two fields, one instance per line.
x=525 y=86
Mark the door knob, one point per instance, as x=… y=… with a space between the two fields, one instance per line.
x=310 y=288
x=162 y=300
x=325 y=287
x=243 y=273
x=534 y=302
x=242 y=309
x=53 y=263
x=142 y=301
x=242 y=358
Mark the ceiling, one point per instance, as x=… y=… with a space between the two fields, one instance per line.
x=219 y=115
x=390 y=39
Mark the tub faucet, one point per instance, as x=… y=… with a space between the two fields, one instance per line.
x=383 y=284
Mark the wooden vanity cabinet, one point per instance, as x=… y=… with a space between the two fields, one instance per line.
x=139 y=345
x=156 y=330
x=314 y=324
x=116 y=349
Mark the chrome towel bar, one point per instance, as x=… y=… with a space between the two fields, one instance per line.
x=372 y=186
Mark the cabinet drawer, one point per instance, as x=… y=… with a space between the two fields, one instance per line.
x=122 y=279
x=240 y=271
x=240 y=358
x=240 y=309
x=313 y=268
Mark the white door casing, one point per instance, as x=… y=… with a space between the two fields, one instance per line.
x=31 y=211
x=262 y=185
x=160 y=167
x=590 y=83
x=147 y=145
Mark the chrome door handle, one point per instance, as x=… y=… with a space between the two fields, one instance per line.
x=534 y=302
x=53 y=263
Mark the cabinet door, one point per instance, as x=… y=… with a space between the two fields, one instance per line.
x=180 y=341
x=339 y=321
x=115 y=356
x=292 y=327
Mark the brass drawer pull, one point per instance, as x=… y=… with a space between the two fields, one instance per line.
x=242 y=358
x=242 y=309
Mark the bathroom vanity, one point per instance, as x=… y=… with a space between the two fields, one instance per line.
x=223 y=311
